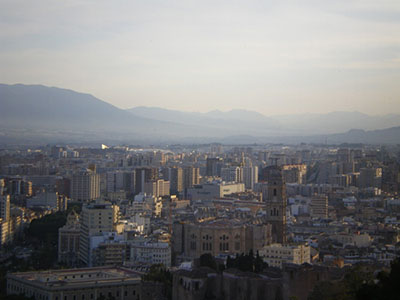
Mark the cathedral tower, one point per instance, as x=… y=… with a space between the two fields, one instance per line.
x=275 y=203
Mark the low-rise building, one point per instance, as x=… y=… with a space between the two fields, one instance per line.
x=77 y=284
x=151 y=253
x=276 y=255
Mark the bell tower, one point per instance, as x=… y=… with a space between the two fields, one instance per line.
x=275 y=203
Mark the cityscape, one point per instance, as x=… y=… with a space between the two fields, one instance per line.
x=205 y=221
x=189 y=150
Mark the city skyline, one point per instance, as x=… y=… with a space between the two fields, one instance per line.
x=274 y=57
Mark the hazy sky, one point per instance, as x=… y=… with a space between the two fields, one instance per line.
x=276 y=57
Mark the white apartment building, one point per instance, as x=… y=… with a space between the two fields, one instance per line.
x=151 y=253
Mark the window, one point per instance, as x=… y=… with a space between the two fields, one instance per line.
x=274 y=192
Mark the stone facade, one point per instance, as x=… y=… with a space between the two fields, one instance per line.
x=219 y=237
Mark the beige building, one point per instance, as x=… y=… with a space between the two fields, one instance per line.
x=5 y=235
x=77 y=284
x=96 y=218
x=358 y=240
x=68 y=240
x=275 y=255
x=85 y=186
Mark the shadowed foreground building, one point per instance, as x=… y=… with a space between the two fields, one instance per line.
x=77 y=284
x=292 y=282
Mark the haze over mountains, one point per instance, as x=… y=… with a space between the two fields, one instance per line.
x=34 y=112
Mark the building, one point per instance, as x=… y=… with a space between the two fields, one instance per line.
x=157 y=188
x=191 y=177
x=319 y=206
x=2 y=186
x=120 y=181
x=217 y=189
x=175 y=177
x=44 y=199
x=295 y=173
x=18 y=186
x=276 y=255
x=96 y=218
x=143 y=175
x=107 y=249
x=5 y=207
x=85 y=186
x=68 y=240
x=250 y=177
x=232 y=174
x=5 y=236
x=149 y=204
x=219 y=237
x=370 y=177
x=275 y=203
x=77 y=284
x=147 y=252
x=213 y=166
x=232 y=284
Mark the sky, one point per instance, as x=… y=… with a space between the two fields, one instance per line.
x=274 y=57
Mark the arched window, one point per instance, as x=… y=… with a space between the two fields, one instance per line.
x=274 y=192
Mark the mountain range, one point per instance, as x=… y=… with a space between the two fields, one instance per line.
x=36 y=114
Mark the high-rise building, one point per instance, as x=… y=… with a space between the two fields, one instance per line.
x=391 y=178
x=213 y=166
x=157 y=188
x=5 y=207
x=175 y=177
x=232 y=173
x=250 y=177
x=18 y=186
x=120 y=181
x=275 y=203
x=191 y=177
x=2 y=186
x=85 y=186
x=96 y=218
x=143 y=175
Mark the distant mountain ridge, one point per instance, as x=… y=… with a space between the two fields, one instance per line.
x=300 y=124
x=39 y=113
